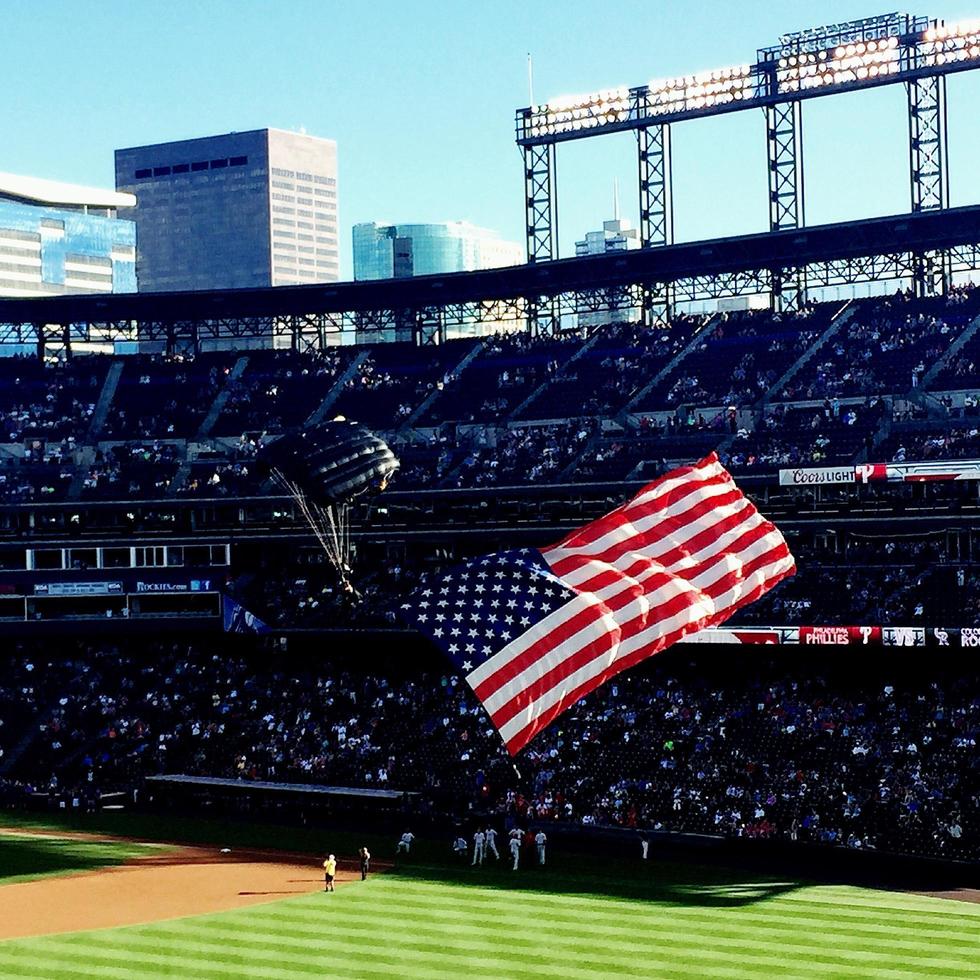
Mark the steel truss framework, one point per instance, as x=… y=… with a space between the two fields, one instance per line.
x=915 y=51
x=784 y=142
x=541 y=203
x=656 y=188
x=942 y=243
x=928 y=168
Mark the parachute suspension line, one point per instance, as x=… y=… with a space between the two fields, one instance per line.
x=313 y=515
x=345 y=524
x=329 y=516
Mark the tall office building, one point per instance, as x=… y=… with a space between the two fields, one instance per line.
x=63 y=238
x=244 y=209
x=401 y=251
x=614 y=236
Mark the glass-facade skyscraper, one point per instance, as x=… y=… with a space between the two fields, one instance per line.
x=402 y=251
x=63 y=238
x=257 y=208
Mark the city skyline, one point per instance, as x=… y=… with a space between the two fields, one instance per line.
x=421 y=103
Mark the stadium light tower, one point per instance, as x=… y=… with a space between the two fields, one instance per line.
x=888 y=49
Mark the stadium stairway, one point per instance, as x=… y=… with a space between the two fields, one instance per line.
x=429 y=399
x=837 y=323
x=85 y=457
x=951 y=353
x=692 y=345
x=104 y=403
x=214 y=412
x=41 y=718
x=879 y=439
x=320 y=412
x=558 y=378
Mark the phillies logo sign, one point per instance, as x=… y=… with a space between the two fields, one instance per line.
x=866 y=472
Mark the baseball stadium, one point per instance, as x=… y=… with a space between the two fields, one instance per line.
x=595 y=616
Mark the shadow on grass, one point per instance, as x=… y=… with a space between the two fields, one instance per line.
x=660 y=883
x=22 y=857
x=663 y=882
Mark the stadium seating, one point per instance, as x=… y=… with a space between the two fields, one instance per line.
x=807 y=750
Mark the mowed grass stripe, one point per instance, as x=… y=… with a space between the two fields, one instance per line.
x=396 y=926
x=514 y=913
x=582 y=950
x=131 y=948
x=340 y=916
x=403 y=962
x=486 y=958
x=924 y=906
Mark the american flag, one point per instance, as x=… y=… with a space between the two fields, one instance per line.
x=533 y=631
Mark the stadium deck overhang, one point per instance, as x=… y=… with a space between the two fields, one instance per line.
x=925 y=247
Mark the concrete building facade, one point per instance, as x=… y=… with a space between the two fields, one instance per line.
x=257 y=208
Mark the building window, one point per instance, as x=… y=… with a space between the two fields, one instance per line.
x=276 y=172
x=161 y=171
x=237 y=161
x=325 y=180
x=199 y=165
x=218 y=164
x=143 y=173
x=182 y=168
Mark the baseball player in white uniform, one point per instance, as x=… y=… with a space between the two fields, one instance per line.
x=405 y=842
x=479 y=840
x=541 y=839
x=515 y=850
x=492 y=842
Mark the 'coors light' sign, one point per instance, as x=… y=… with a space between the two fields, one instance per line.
x=967 y=469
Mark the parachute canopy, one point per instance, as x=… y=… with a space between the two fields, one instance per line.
x=333 y=462
x=324 y=468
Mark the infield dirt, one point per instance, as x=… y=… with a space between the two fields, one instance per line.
x=168 y=884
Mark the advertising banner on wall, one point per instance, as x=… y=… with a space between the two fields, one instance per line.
x=814 y=476
x=842 y=636
x=78 y=588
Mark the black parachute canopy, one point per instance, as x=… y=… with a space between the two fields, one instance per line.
x=333 y=462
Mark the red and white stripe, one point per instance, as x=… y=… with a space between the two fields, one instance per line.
x=684 y=554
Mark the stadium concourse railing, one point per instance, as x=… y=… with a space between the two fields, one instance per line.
x=880 y=499
x=551 y=506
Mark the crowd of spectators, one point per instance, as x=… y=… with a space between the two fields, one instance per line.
x=510 y=408
x=868 y=754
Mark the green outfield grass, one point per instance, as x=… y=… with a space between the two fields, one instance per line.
x=23 y=858
x=576 y=920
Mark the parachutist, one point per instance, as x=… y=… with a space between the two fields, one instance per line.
x=325 y=468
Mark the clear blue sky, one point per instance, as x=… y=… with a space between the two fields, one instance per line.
x=420 y=97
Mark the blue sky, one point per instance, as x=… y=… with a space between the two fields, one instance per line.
x=420 y=97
